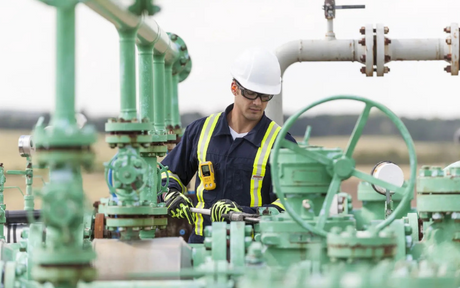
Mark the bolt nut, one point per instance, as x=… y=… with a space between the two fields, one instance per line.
x=363 y=58
x=363 y=70
x=386 y=30
x=387 y=58
x=448 y=57
x=362 y=42
x=447 y=29
x=448 y=69
x=437 y=217
x=306 y=204
x=386 y=69
x=137 y=164
x=387 y=41
x=448 y=41
x=362 y=30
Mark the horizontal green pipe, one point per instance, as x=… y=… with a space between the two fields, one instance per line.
x=149 y=33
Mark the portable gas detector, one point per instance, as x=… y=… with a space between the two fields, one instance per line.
x=207 y=175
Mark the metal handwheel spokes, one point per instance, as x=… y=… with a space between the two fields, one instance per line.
x=358 y=130
x=343 y=167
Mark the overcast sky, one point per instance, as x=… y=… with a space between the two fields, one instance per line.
x=216 y=31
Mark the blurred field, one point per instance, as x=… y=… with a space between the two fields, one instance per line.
x=369 y=150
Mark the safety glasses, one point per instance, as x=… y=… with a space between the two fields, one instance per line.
x=251 y=95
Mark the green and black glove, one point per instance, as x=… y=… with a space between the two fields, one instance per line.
x=223 y=206
x=179 y=206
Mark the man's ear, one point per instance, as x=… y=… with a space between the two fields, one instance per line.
x=233 y=87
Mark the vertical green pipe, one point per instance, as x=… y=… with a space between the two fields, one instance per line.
x=175 y=102
x=159 y=92
x=64 y=114
x=127 y=73
x=29 y=198
x=168 y=96
x=2 y=204
x=145 y=58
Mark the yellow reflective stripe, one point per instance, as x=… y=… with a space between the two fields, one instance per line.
x=260 y=164
x=175 y=177
x=202 y=148
x=278 y=203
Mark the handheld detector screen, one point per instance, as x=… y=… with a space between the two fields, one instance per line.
x=205 y=170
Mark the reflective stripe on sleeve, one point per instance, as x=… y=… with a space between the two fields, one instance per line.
x=278 y=203
x=175 y=177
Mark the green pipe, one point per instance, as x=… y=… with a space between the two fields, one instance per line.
x=159 y=92
x=149 y=194
x=168 y=97
x=175 y=102
x=64 y=114
x=2 y=204
x=145 y=57
x=128 y=73
x=29 y=198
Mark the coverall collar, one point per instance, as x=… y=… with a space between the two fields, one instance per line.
x=254 y=136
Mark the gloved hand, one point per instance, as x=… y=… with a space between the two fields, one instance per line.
x=179 y=206
x=223 y=206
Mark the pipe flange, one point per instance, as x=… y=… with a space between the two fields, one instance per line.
x=454 y=48
x=380 y=49
x=369 y=50
x=184 y=58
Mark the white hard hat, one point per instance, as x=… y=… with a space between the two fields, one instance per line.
x=258 y=70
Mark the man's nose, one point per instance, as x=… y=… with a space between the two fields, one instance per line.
x=257 y=101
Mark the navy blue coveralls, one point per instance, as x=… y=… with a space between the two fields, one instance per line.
x=233 y=162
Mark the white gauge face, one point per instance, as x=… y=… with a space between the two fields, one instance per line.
x=388 y=172
x=26 y=145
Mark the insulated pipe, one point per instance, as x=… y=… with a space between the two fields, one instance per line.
x=349 y=50
x=147 y=33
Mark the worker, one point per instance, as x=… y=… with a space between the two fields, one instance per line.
x=229 y=150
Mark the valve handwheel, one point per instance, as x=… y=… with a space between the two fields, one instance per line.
x=343 y=167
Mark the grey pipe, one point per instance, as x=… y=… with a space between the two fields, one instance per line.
x=348 y=50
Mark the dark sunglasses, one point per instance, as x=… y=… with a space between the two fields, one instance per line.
x=251 y=95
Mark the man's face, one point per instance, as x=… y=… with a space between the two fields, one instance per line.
x=252 y=110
